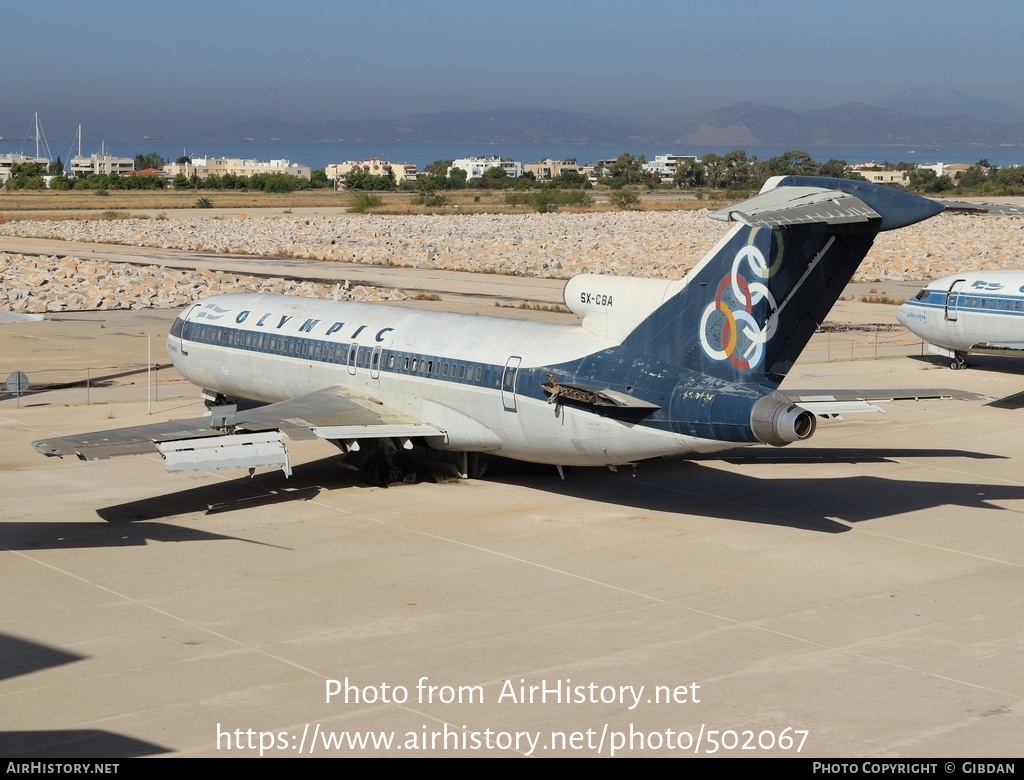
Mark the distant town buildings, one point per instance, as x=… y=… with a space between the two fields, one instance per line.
x=665 y=165
x=101 y=163
x=874 y=172
x=475 y=167
x=8 y=161
x=946 y=169
x=204 y=167
x=401 y=172
x=551 y=169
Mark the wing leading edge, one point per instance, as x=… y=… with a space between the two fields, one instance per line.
x=250 y=438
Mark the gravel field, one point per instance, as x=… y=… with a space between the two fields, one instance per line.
x=631 y=243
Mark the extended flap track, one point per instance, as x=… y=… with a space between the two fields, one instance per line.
x=602 y=401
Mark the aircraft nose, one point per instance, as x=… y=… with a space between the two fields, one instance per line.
x=901 y=314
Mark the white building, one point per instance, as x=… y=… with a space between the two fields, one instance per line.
x=475 y=167
x=665 y=165
x=8 y=161
x=101 y=162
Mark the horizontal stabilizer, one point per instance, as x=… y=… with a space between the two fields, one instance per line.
x=830 y=408
x=797 y=205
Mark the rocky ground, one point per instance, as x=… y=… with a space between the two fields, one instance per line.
x=35 y=284
x=653 y=244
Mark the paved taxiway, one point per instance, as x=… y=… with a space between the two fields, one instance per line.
x=866 y=587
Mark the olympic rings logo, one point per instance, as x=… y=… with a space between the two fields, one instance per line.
x=728 y=328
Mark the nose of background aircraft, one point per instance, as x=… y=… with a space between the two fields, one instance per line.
x=901 y=314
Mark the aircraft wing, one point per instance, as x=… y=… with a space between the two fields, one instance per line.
x=250 y=438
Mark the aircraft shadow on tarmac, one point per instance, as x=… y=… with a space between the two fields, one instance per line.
x=74 y=743
x=1015 y=401
x=116 y=532
x=675 y=486
x=1000 y=364
x=21 y=656
x=825 y=505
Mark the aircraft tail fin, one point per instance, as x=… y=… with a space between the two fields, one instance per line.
x=748 y=309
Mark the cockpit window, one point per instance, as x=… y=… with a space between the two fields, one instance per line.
x=922 y=295
x=177 y=327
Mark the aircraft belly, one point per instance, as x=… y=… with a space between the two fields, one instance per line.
x=557 y=434
x=981 y=330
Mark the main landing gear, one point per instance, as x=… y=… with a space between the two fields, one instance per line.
x=383 y=462
x=959 y=361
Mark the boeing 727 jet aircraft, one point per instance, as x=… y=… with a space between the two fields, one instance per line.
x=657 y=367
x=981 y=311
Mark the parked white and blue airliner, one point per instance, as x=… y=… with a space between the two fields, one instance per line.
x=978 y=311
x=656 y=368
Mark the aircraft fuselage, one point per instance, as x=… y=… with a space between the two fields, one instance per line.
x=432 y=365
x=978 y=311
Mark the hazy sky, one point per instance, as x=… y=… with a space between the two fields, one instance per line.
x=124 y=69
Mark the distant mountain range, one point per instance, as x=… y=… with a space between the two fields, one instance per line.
x=923 y=116
x=501 y=126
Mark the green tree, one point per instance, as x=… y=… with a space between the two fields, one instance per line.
x=358 y=179
x=624 y=199
x=278 y=182
x=457 y=179
x=627 y=169
x=26 y=176
x=62 y=182
x=972 y=178
x=728 y=172
x=56 y=168
x=361 y=201
x=495 y=179
x=572 y=180
x=794 y=163
x=527 y=181
x=926 y=180
x=439 y=168
x=183 y=160
x=837 y=169
x=690 y=174
x=151 y=160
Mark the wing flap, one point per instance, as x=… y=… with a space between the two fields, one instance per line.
x=242 y=451
x=249 y=438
